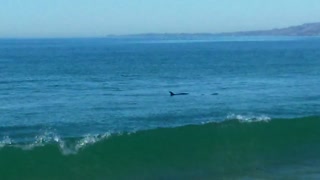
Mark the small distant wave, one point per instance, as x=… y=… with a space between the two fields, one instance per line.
x=248 y=118
x=19 y=81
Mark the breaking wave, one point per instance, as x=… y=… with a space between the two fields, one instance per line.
x=257 y=148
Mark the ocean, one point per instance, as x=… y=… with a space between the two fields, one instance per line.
x=100 y=108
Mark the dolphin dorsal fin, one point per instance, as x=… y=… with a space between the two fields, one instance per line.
x=171 y=93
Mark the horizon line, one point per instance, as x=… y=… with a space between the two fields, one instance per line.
x=155 y=33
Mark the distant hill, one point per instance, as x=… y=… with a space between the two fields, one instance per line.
x=165 y=36
x=309 y=29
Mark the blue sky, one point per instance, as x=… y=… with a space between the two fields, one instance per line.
x=90 y=18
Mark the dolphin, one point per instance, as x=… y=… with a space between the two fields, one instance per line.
x=173 y=94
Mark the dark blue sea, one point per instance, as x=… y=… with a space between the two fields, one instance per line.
x=101 y=108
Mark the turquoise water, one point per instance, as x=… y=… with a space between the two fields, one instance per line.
x=101 y=109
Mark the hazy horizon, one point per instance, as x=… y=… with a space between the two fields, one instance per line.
x=39 y=19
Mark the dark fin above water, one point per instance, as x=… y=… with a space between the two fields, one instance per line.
x=173 y=94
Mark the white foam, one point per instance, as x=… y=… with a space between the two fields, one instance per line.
x=90 y=139
x=5 y=141
x=248 y=118
x=66 y=148
x=49 y=137
x=43 y=139
x=74 y=148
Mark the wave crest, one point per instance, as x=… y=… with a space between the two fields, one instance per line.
x=248 y=118
x=48 y=137
x=5 y=141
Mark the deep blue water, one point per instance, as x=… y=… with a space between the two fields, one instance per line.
x=76 y=87
x=101 y=108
